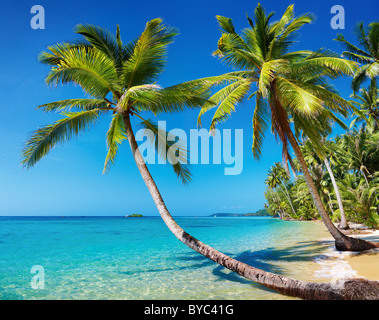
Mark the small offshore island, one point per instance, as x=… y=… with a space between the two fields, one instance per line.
x=134 y=215
x=259 y=213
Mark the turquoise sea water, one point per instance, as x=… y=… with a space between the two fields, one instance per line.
x=138 y=258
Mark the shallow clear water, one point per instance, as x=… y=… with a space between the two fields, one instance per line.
x=138 y=258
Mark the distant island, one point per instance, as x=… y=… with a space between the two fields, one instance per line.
x=259 y=213
x=134 y=215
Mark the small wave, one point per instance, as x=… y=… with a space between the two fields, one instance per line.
x=334 y=266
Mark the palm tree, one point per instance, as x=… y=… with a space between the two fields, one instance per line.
x=368 y=56
x=120 y=79
x=274 y=205
x=367 y=109
x=315 y=161
x=315 y=167
x=359 y=153
x=289 y=85
x=332 y=159
x=362 y=200
x=276 y=178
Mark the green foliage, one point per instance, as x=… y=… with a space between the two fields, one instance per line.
x=354 y=159
x=168 y=148
x=45 y=138
x=288 y=86
x=367 y=55
x=118 y=78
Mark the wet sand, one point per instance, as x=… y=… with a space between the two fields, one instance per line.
x=366 y=263
x=355 y=264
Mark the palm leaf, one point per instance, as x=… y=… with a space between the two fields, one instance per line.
x=78 y=104
x=149 y=54
x=349 y=47
x=260 y=124
x=218 y=98
x=115 y=136
x=227 y=105
x=232 y=50
x=163 y=143
x=102 y=40
x=226 y=24
x=44 y=139
x=89 y=68
x=295 y=97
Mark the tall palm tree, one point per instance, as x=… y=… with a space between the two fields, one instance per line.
x=277 y=177
x=315 y=160
x=289 y=85
x=368 y=55
x=306 y=209
x=120 y=79
x=327 y=161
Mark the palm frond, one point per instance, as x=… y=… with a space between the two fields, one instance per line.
x=230 y=98
x=102 y=40
x=226 y=24
x=295 y=97
x=331 y=100
x=232 y=50
x=90 y=69
x=149 y=54
x=349 y=47
x=218 y=97
x=356 y=57
x=359 y=77
x=115 y=136
x=322 y=62
x=260 y=124
x=167 y=147
x=44 y=139
x=80 y=104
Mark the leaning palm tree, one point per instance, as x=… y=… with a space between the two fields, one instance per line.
x=120 y=79
x=277 y=177
x=368 y=55
x=332 y=159
x=288 y=86
x=314 y=161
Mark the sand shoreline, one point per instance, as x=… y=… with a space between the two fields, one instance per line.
x=340 y=265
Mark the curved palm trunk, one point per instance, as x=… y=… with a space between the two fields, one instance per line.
x=285 y=191
x=351 y=289
x=276 y=198
x=330 y=203
x=364 y=175
x=343 y=223
x=342 y=242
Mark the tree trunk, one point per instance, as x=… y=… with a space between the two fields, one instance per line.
x=364 y=175
x=330 y=203
x=277 y=199
x=362 y=289
x=343 y=223
x=342 y=242
x=286 y=194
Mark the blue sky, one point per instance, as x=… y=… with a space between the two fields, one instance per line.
x=69 y=180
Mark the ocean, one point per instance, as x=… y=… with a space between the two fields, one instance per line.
x=138 y=258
